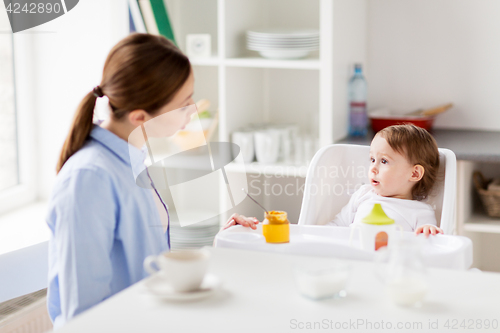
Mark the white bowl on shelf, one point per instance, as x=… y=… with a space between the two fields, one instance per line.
x=283 y=43
x=284 y=53
x=258 y=47
x=266 y=48
x=284 y=33
x=282 y=40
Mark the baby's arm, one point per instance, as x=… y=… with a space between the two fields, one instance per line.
x=346 y=215
x=344 y=218
x=241 y=220
x=426 y=223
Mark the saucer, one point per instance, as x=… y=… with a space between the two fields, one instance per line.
x=157 y=286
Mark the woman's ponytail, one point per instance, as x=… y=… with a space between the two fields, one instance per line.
x=80 y=129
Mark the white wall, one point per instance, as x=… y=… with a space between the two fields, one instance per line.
x=423 y=53
x=349 y=47
x=68 y=61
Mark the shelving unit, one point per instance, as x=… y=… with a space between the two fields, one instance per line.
x=472 y=220
x=470 y=213
x=227 y=21
x=212 y=61
x=247 y=88
x=479 y=222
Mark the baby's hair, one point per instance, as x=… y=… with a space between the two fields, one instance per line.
x=419 y=147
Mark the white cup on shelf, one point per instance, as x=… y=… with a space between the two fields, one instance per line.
x=245 y=140
x=309 y=149
x=287 y=133
x=286 y=149
x=267 y=146
x=298 y=150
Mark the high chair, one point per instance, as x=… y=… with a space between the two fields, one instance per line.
x=338 y=170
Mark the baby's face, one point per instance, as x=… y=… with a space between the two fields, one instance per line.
x=390 y=172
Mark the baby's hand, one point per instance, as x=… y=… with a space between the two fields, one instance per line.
x=242 y=220
x=428 y=229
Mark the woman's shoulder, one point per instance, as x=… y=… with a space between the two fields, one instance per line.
x=95 y=163
x=91 y=157
x=90 y=160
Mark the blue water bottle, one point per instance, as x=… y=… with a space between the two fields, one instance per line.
x=358 y=119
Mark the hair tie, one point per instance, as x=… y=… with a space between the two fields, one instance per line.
x=98 y=92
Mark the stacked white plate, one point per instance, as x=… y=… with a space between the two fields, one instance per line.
x=193 y=235
x=283 y=43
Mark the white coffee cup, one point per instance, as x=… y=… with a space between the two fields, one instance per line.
x=267 y=146
x=183 y=270
x=246 y=143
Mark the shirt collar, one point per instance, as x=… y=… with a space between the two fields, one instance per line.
x=128 y=153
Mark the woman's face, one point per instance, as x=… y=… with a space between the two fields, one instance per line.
x=176 y=114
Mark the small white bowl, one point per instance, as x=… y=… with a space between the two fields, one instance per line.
x=320 y=281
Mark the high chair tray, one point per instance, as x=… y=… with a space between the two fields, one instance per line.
x=441 y=251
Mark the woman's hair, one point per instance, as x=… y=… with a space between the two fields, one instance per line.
x=419 y=147
x=142 y=72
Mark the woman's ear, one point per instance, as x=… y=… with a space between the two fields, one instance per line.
x=417 y=173
x=138 y=117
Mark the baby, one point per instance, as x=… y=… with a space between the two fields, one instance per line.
x=403 y=169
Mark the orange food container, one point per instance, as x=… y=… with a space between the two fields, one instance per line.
x=276 y=228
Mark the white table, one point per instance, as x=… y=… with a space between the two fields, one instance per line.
x=259 y=295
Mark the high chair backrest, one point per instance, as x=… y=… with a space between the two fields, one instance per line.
x=337 y=171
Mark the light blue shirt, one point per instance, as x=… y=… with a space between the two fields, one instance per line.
x=102 y=226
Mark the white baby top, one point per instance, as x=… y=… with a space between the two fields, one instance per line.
x=409 y=214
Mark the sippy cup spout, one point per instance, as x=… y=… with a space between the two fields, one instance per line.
x=377 y=216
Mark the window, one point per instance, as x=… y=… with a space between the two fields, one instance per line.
x=17 y=162
x=9 y=166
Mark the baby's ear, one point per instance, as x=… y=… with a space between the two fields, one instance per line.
x=417 y=173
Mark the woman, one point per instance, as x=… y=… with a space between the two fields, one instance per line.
x=102 y=224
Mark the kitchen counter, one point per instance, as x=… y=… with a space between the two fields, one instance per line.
x=471 y=145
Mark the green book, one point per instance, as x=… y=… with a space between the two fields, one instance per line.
x=162 y=20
